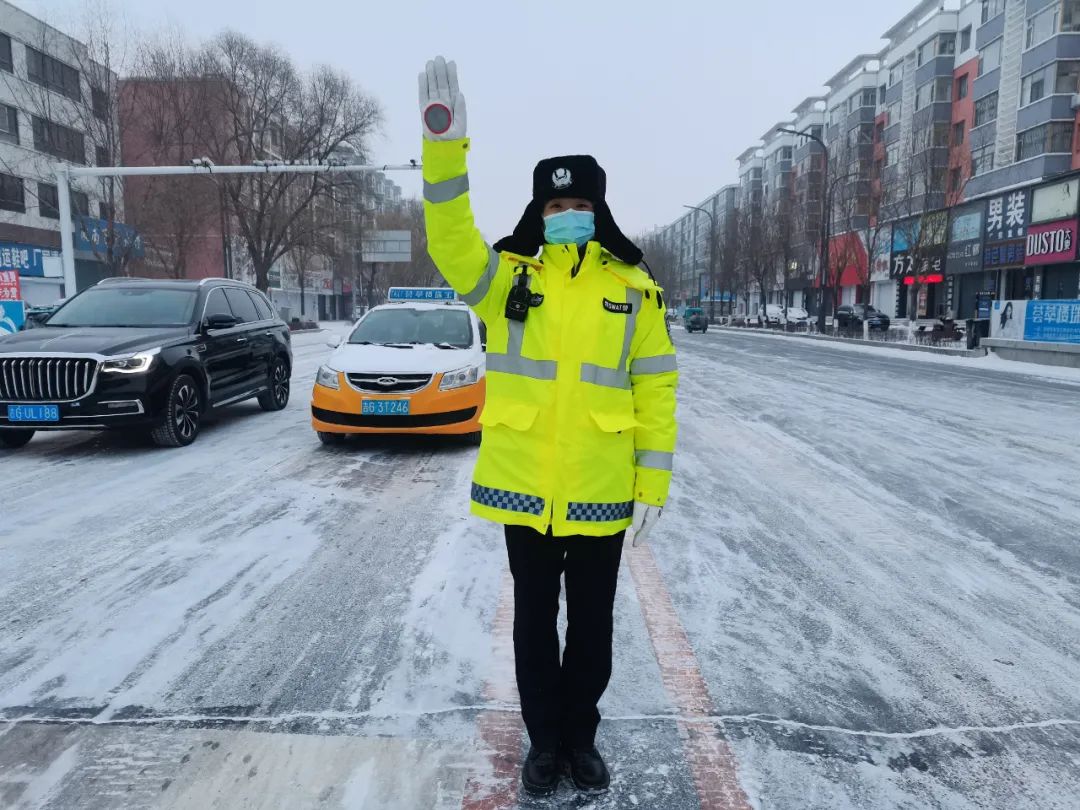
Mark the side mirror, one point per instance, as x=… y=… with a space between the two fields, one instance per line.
x=220 y=320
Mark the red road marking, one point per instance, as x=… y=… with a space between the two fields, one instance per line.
x=708 y=754
x=500 y=730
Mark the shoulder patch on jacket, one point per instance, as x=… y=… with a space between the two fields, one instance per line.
x=633 y=277
x=621 y=309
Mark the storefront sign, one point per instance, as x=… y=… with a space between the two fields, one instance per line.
x=1054 y=202
x=10 y=289
x=1007 y=216
x=12 y=317
x=964 y=254
x=909 y=238
x=1004 y=254
x=1048 y=321
x=26 y=260
x=1053 y=243
x=92 y=236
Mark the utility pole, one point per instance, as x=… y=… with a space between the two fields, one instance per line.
x=826 y=212
x=712 y=259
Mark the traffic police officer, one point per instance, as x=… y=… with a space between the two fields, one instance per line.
x=579 y=424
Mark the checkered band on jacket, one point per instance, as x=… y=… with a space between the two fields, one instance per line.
x=509 y=501
x=599 y=512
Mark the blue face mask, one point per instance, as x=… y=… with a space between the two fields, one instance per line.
x=567 y=227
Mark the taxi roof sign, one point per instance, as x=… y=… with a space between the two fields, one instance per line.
x=421 y=294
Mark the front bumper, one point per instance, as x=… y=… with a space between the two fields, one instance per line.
x=431 y=411
x=115 y=401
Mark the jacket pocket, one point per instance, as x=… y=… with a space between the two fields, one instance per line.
x=611 y=421
x=509 y=413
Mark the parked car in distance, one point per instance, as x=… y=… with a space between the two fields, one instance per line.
x=146 y=355
x=694 y=320
x=796 y=318
x=36 y=316
x=771 y=315
x=853 y=315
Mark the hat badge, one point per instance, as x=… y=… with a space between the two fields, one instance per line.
x=561 y=178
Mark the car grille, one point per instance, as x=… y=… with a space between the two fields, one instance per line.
x=389 y=383
x=48 y=379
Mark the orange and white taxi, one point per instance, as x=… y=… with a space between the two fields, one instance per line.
x=415 y=365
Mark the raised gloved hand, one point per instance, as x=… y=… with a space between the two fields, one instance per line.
x=442 y=106
x=645 y=517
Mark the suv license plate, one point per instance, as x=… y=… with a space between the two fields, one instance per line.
x=384 y=407
x=33 y=413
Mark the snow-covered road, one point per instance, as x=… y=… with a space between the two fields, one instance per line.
x=874 y=560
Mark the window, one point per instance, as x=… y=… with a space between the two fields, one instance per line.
x=816 y=130
x=896 y=73
x=895 y=109
x=924 y=95
x=962 y=88
x=991 y=8
x=9 y=124
x=986 y=109
x=947 y=45
x=954 y=180
x=1070 y=15
x=1057 y=136
x=958 y=133
x=52 y=73
x=1068 y=77
x=12 y=193
x=1043 y=24
x=943 y=89
x=892 y=154
x=48 y=201
x=5 y=54
x=924 y=54
x=869 y=97
x=102 y=156
x=59 y=141
x=99 y=101
x=881 y=95
x=941 y=134
x=241 y=305
x=1036 y=85
x=990 y=57
x=80 y=204
x=965 y=39
x=937 y=90
x=982 y=160
x=786 y=153
x=266 y=312
x=216 y=304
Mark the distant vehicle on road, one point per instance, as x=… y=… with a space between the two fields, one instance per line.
x=853 y=315
x=796 y=318
x=771 y=315
x=694 y=320
x=142 y=354
x=406 y=367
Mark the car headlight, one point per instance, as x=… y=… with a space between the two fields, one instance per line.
x=327 y=378
x=135 y=364
x=460 y=378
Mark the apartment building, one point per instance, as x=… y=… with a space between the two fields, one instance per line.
x=55 y=105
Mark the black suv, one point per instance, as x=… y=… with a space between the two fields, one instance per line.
x=144 y=354
x=850 y=316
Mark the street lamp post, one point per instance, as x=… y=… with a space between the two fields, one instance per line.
x=826 y=211
x=712 y=260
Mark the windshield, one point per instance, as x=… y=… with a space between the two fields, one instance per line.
x=127 y=306
x=388 y=327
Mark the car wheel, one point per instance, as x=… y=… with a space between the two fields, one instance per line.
x=278 y=396
x=331 y=439
x=14 y=439
x=179 y=426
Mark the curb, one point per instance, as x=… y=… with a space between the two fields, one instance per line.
x=877 y=344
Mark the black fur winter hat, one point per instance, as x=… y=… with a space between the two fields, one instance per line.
x=569 y=176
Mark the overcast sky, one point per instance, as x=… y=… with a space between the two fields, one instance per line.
x=665 y=95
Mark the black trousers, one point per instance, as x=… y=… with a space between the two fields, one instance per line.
x=558 y=700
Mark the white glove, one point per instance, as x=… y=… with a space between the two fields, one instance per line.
x=442 y=107
x=645 y=517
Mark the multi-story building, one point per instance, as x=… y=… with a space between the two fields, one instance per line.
x=56 y=105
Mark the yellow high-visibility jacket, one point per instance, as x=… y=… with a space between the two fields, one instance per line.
x=580 y=415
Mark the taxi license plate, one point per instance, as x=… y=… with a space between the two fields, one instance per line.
x=384 y=407
x=33 y=413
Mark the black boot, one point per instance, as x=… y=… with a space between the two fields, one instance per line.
x=587 y=769
x=540 y=774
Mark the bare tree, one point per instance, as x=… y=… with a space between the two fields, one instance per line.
x=264 y=109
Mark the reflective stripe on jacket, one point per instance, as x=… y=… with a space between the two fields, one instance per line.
x=580 y=415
